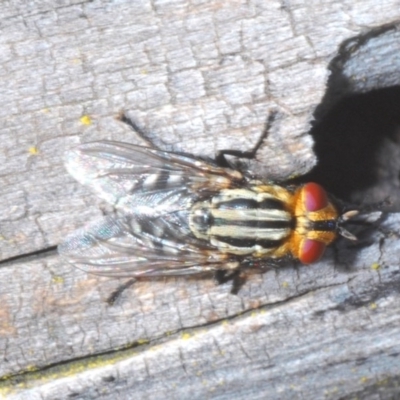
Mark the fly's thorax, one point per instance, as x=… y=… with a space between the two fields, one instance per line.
x=246 y=221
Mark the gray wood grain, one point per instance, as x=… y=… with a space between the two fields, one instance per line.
x=196 y=76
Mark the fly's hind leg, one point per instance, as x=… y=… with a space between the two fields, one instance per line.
x=126 y=120
x=223 y=162
x=116 y=294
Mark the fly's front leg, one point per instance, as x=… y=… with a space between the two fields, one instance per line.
x=223 y=162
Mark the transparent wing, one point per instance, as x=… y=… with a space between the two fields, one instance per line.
x=134 y=246
x=143 y=180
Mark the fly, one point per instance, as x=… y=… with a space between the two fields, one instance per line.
x=180 y=215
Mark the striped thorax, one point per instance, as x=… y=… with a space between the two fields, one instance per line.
x=267 y=221
x=242 y=221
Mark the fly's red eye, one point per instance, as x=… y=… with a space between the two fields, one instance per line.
x=311 y=251
x=314 y=197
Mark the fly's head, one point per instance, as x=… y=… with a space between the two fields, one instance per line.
x=318 y=223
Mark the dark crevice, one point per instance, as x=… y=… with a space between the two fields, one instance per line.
x=364 y=298
x=24 y=376
x=350 y=139
x=48 y=251
x=357 y=135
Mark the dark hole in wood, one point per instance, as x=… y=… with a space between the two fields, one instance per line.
x=357 y=143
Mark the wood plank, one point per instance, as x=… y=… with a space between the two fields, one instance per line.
x=198 y=77
x=316 y=331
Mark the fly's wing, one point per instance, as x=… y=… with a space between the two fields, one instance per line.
x=133 y=245
x=154 y=190
x=145 y=181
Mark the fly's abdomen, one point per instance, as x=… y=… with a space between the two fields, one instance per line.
x=242 y=222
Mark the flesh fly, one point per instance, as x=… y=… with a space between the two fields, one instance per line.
x=180 y=215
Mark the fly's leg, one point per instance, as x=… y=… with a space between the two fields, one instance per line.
x=222 y=276
x=223 y=162
x=247 y=267
x=238 y=281
x=126 y=120
x=116 y=294
x=237 y=277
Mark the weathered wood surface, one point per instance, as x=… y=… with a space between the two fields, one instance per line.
x=197 y=77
